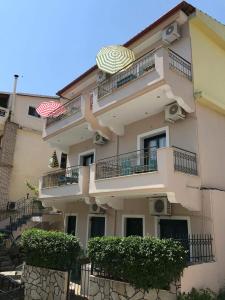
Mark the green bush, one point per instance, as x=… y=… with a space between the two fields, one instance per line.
x=198 y=295
x=146 y=263
x=221 y=295
x=50 y=249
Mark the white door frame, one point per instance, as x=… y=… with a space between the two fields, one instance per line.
x=91 y=151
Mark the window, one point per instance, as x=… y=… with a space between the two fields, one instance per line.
x=133 y=226
x=4 y=99
x=32 y=112
x=63 y=161
x=96 y=226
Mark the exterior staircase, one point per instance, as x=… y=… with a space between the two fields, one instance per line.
x=12 y=223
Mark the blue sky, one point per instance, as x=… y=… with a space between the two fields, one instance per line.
x=50 y=42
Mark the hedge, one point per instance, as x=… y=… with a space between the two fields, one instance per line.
x=146 y=263
x=50 y=249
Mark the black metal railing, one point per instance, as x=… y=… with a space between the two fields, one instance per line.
x=138 y=68
x=135 y=162
x=185 y=161
x=10 y=288
x=79 y=280
x=199 y=247
x=70 y=108
x=22 y=212
x=179 y=64
x=61 y=177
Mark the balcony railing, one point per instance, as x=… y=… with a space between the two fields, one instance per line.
x=61 y=177
x=140 y=161
x=140 y=67
x=185 y=161
x=199 y=247
x=70 y=108
x=180 y=65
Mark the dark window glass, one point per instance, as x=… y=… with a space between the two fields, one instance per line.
x=97 y=226
x=87 y=160
x=71 y=225
x=4 y=99
x=133 y=226
x=63 y=160
x=32 y=112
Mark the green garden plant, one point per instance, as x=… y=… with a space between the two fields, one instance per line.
x=203 y=294
x=146 y=263
x=50 y=249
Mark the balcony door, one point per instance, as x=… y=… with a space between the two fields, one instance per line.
x=96 y=226
x=71 y=223
x=151 y=144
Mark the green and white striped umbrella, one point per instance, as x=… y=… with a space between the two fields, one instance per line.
x=112 y=59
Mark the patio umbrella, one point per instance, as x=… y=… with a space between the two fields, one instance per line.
x=50 y=108
x=112 y=59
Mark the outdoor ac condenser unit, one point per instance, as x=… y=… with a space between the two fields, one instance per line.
x=98 y=139
x=171 y=33
x=95 y=209
x=160 y=206
x=174 y=112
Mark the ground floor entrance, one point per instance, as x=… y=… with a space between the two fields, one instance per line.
x=177 y=229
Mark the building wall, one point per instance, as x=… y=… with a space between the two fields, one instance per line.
x=30 y=161
x=208 y=62
x=21 y=107
x=6 y=161
x=211 y=128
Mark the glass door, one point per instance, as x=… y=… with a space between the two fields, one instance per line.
x=151 y=145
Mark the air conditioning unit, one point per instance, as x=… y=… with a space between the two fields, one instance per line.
x=101 y=76
x=11 y=206
x=99 y=139
x=160 y=206
x=95 y=209
x=174 y=112
x=171 y=33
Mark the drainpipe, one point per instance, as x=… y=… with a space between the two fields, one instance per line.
x=13 y=101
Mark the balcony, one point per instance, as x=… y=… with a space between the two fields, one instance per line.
x=171 y=171
x=69 y=183
x=70 y=118
x=153 y=81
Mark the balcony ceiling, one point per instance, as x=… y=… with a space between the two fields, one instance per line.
x=139 y=108
x=71 y=136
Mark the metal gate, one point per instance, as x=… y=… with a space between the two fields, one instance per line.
x=79 y=281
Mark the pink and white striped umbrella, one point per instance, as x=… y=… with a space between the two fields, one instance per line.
x=50 y=108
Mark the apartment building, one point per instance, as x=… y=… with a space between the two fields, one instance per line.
x=145 y=145
x=23 y=154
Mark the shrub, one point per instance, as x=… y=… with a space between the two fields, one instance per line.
x=221 y=295
x=50 y=249
x=146 y=263
x=198 y=295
